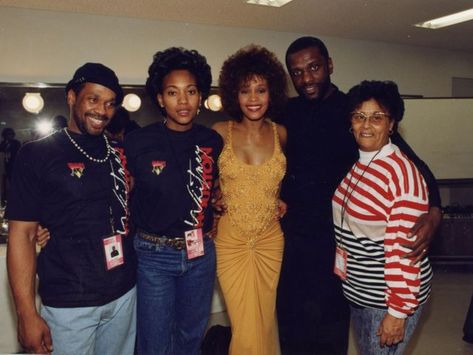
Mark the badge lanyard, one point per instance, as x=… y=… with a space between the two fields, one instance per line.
x=341 y=254
x=348 y=194
x=113 y=246
x=181 y=172
x=194 y=238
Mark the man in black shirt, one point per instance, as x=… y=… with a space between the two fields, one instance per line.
x=313 y=314
x=74 y=183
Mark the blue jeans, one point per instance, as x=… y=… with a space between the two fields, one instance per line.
x=108 y=329
x=174 y=298
x=366 y=322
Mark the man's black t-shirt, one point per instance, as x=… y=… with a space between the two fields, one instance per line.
x=78 y=201
x=174 y=173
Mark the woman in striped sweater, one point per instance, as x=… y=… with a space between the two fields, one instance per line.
x=374 y=207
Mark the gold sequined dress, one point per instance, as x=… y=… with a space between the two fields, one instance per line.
x=249 y=247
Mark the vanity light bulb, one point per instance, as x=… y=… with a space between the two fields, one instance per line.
x=131 y=102
x=33 y=102
x=214 y=102
x=44 y=127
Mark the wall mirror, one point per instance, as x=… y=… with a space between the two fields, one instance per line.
x=30 y=126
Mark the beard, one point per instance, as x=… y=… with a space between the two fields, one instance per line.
x=322 y=90
x=82 y=125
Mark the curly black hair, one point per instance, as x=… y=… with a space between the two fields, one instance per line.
x=178 y=58
x=247 y=62
x=386 y=94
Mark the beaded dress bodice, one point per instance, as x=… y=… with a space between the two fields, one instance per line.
x=251 y=191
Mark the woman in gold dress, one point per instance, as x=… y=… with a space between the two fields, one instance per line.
x=249 y=239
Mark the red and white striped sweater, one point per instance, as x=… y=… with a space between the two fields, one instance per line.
x=380 y=199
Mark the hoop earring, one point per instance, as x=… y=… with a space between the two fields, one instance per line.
x=390 y=132
x=198 y=111
x=350 y=130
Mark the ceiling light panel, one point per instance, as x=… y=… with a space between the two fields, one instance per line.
x=448 y=20
x=274 y=3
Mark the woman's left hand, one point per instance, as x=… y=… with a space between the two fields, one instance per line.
x=391 y=330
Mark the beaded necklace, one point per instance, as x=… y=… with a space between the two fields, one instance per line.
x=79 y=148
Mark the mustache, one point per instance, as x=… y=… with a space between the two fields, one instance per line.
x=318 y=85
x=96 y=116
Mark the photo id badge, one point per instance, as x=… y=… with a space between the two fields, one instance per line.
x=194 y=243
x=340 y=267
x=113 y=251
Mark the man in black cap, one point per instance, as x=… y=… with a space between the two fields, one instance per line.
x=74 y=183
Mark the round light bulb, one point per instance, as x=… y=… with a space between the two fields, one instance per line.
x=33 y=102
x=131 y=102
x=214 y=102
x=44 y=127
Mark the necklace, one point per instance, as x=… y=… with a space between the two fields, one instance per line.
x=79 y=148
x=348 y=194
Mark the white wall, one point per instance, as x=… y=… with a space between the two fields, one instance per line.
x=43 y=46
x=439 y=131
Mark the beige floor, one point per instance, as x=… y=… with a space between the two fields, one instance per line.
x=441 y=327
x=440 y=331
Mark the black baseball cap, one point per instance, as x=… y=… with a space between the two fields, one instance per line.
x=99 y=74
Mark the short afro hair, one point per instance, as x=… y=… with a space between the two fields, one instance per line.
x=178 y=58
x=247 y=62
x=304 y=43
x=386 y=94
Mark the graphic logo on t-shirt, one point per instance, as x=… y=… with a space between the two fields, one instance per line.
x=77 y=169
x=121 y=190
x=200 y=184
x=158 y=166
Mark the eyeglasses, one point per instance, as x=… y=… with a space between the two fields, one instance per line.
x=374 y=117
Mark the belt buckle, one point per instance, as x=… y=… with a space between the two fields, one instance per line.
x=179 y=244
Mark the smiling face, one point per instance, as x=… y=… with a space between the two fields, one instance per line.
x=253 y=97
x=310 y=73
x=91 y=108
x=180 y=98
x=371 y=133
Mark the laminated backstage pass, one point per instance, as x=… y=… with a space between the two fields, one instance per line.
x=194 y=243
x=113 y=251
x=340 y=267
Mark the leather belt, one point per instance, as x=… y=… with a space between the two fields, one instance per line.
x=177 y=243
